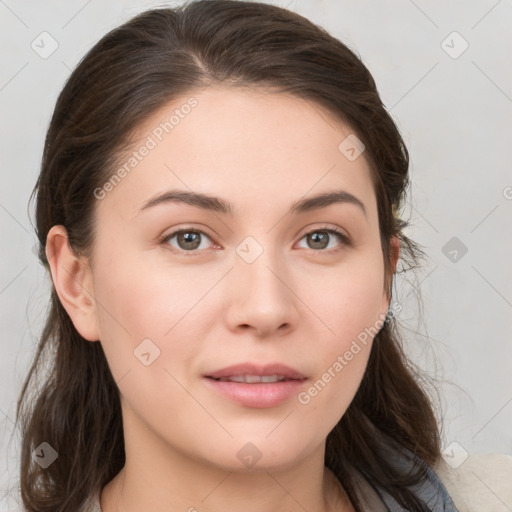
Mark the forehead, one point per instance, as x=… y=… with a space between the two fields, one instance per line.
x=247 y=144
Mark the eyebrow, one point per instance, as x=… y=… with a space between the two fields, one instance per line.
x=216 y=204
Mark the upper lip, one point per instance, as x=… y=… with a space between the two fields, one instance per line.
x=260 y=370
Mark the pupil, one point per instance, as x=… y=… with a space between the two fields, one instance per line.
x=188 y=238
x=317 y=239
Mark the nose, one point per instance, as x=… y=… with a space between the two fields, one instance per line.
x=261 y=296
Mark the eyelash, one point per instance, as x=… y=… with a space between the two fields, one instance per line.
x=331 y=230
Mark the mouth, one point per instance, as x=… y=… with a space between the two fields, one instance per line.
x=250 y=373
x=253 y=379
x=256 y=386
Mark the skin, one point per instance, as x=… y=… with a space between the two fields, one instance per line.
x=297 y=303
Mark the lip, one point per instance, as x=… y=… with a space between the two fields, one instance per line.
x=257 y=395
x=260 y=370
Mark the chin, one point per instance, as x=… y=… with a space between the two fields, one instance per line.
x=255 y=453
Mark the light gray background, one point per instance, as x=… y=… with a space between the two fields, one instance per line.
x=454 y=112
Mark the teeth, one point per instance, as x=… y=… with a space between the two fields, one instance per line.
x=272 y=378
x=251 y=379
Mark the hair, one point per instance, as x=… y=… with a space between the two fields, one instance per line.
x=134 y=70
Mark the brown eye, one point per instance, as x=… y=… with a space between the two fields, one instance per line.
x=187 y=240
x=319 y=239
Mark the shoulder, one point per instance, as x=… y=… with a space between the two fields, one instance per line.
x=482 y=483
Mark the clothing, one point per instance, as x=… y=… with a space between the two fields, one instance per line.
x=482 y=483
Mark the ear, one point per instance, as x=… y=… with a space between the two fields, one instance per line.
x=395 y=251
x=394 y=248
x=72 y=279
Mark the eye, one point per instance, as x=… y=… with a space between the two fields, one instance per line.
x=320 y=238
x=188 y=240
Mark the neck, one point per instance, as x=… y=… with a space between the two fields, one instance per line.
x=230 y=493
x=162 y=478
x=192 y=486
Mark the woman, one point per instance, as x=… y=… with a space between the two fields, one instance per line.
x=218 y=210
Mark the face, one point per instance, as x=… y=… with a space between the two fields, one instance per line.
x=183 y=291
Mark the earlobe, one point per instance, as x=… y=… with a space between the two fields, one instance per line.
x=72 y=281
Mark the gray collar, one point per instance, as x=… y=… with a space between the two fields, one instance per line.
x=431 y=491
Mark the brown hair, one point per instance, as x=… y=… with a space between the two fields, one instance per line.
x=131 y=72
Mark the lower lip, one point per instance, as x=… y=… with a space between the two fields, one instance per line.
x=262 y=395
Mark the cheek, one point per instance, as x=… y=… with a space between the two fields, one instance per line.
x=136 y=303
x=143 y=331
x=352 y=300
x=351 y=307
